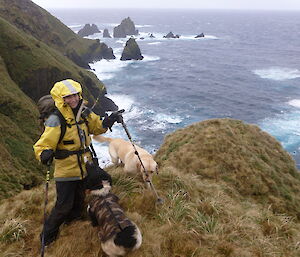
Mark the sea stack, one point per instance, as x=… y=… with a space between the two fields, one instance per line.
x=126 y=28
x=171 y=35
x=106 y=33
x=131 y=51
x=88 y=30
x=200 y=35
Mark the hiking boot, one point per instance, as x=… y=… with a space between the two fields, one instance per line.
x=69 y=221
x=48 y=240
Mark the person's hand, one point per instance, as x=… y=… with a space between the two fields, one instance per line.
x=109 y=121
x=85 y=112
x=47 y=156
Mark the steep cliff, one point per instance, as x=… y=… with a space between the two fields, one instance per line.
x=29 y=68
x=37 y=22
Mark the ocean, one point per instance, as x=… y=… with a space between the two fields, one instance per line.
x=247 y=67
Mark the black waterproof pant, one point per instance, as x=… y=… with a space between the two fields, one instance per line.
x=69 y=206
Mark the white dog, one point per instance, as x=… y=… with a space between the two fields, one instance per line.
x=122 y=150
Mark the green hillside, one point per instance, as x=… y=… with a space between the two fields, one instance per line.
x=209 y=208
x=240 y=156
x=29 y=68
x=35 y=67
x=37 y=22
x=18 y=129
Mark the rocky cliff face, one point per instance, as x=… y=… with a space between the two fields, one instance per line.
x=131 y=51
x=126 y=28
x=37 y=22
x=88 y=30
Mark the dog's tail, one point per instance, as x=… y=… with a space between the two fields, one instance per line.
x=102 y=139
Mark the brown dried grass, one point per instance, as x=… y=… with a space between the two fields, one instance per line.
x=205 y=212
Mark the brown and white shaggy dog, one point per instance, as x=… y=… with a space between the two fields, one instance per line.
x=118 y=234
x=122 y=150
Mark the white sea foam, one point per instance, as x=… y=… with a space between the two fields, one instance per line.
x=210 y=37
x=285 y=127
x=149 y=58
x=110 y=24
x=143 y=26
x=295 y=103
x=95 y=36
x=160 y=121
x=106 y=69
x=129 y=104
x=121 y=41
x=165 y=118
x=278 y=73
x=154 y=43
x=75 y=26
x=118 y=51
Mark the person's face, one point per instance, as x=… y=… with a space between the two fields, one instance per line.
x=72 y=100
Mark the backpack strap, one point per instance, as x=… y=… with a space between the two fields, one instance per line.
x=63 y=127
x=63 y=124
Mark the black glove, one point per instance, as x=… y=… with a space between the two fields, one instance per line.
x=85 y=112
x=109 y=121
x=47 y=156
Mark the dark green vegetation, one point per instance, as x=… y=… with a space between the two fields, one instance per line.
x=18 y=129
x=35 y=21
x=229 y=189
x=34 y=49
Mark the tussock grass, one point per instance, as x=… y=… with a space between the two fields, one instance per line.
x=205 y=213
x=12 y=230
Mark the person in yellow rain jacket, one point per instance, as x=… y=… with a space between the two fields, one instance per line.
x=71 y=152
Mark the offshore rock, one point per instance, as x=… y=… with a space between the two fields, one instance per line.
x=106 y=33
x=126 y=28
x=99 y=51
x=200 y=35
x=131 y=51
x=88 y=30
x=171 y=35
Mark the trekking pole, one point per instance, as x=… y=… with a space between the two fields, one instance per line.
x=158 y=199
x=45 y=207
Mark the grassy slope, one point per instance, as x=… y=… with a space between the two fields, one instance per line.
x=209 y=208
x=37 y=22
x=34 y=66
x=18 y=129
x=30 y=66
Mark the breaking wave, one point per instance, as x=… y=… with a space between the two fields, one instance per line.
x=277 y=73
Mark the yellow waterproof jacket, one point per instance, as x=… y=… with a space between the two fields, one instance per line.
x=68 y=169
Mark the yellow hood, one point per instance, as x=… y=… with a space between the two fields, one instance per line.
x=64 y=88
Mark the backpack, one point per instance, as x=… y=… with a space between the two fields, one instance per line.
x=46 y=106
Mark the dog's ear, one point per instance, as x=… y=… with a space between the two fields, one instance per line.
x=92 y=216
